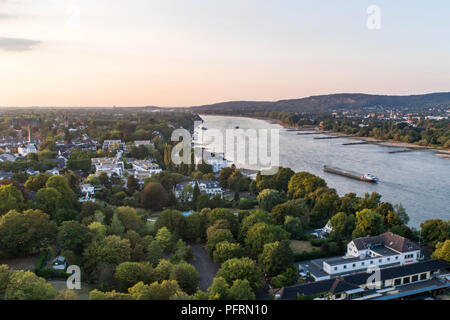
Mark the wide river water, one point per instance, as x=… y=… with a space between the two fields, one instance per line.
x=419 y=180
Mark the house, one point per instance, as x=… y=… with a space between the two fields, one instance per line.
x=139 y=143
x=7 y=157
x=109 y=166
x=32 y=172
x=87 y=192
x=110 y=145
x=5 y=175
x=211 y=188
x=146 y=166
x=323 y=232
x=382 y=284
x=53 y=171
x=385 y=250
x=26 y=149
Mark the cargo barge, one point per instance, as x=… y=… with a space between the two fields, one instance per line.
x=351 y=174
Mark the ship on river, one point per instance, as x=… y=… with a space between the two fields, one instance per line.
x=367 y=177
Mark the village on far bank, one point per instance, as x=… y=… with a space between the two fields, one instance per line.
x=98 y=189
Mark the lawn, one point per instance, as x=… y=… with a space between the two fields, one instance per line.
x=83 y=293
x=299 y=246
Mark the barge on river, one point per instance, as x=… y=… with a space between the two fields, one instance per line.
x=351 y=174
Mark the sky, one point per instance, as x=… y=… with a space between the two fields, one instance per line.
x=195 y=52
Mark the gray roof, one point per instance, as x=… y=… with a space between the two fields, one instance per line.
x=388 y=239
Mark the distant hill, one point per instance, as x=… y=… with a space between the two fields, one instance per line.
x=342 y=101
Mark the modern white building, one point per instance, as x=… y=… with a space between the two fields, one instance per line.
x=139 y=143
x=109 y=145
x=385 y=250
x=108 y=166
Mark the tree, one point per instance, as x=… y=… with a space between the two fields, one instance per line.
x=155 y=291
x=50 y=200
x=343 y=225
x=10 y=198
x=241 y=290
x=401 y=213
x=186 y=276
x=172 y=220
x=294 y=226
x=268 y=198
x=195 y=195
x=26 y=233
x=73 y=236
x=66 y=295
x=227 y=250
x=25 y=285
x=111 y=250
x=129 y=218
x=219 y=289
x=130 y=273
x=303 y=183
x=34 y=183
x=262 y=233
x=155 y=252
x=276 y=257
x=116 y=226
x=242 y=269
x=164 y=237
x=203 y=201
x=282 y=178
x=368 y=223
x=217 y=236
x=132 y=184
x=442 y=251
x=61 y=184
x=154 y=196
x=435 y=230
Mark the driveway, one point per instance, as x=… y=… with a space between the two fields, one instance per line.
x=206 y=268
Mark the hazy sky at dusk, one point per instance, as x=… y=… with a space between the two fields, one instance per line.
x=191 y=52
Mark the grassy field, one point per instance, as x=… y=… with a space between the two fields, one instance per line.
x=22 y=263
x=299 y=246
x=83 y=293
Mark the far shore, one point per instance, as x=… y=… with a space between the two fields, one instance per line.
x=442 y=153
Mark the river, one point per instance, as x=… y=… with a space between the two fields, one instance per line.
x=419 y=180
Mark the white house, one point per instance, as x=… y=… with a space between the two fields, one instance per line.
x=88 y=193
x=385 y=250
x=26 y=149
x=211 y=188
x=53 y=171
x=139 y=143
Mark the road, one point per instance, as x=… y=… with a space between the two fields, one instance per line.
x=206 y=268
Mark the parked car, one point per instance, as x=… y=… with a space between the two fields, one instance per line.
x=59 y=263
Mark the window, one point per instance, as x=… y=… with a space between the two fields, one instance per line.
x=371 y=261
x=396 y=258
x=335 y=268
x=345 y=266
x=354 y=265
x=362 y=263
x=397 y=282
x=388 y=259
x=423 y=276
x=406 y=280
x=415 y=278
x=380 y=260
